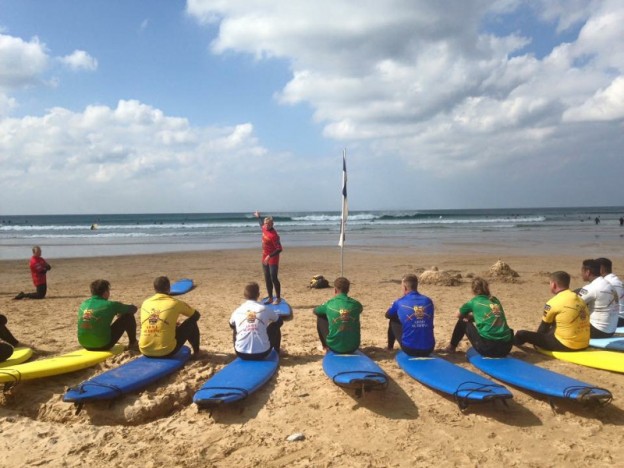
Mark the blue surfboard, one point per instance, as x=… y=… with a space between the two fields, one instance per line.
x=444 y=376
x=181 y=287
x=283 y=309
x=236 y=381
x=355 y=370
x=129 y=377
x=537 y=379
x=619 y=330
x=615 y=343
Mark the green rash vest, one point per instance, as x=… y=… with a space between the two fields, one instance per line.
x=94 y=320
x=343 y=315
x=489 y=317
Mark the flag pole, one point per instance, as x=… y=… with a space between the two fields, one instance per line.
x=345 y=211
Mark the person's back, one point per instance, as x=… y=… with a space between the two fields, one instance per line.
x=571 y=318
x=415 y=313
x=343 y=317
x=489 y=317
x=606 y=271
x=601 y=299
x=252 y=322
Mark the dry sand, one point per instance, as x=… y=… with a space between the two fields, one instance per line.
x=405 y=425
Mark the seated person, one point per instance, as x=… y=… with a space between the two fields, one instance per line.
x=8 y=340
x=482 y=320
x=96 y=329
x=601 y=299
x=606 y=271
x=565 y=324
x=256 y=327
x=411 y=320
x=161 y=336
x=338 y=320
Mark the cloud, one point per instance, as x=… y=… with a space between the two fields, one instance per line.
x=410 y=78
x=80 y=60
x=21 y=62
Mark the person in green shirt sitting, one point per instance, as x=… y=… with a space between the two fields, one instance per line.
x=338 y=320
x=96 y=329
x=482 y=320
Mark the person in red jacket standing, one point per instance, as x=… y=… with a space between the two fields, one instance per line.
x=271 y=249
x=38 y=269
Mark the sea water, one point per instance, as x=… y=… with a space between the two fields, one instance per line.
x=561 y=230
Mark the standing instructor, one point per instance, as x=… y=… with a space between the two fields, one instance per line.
x=271 y=249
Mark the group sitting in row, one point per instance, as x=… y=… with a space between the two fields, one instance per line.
x=570 y=319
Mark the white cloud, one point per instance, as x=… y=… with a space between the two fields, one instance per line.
x=80 y=60
x=21 y=62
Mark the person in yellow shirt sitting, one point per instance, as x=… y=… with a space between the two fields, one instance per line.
x=565 y=324
x=161 y=336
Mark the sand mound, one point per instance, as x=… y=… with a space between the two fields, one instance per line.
x=439 y=278
x=502 y=271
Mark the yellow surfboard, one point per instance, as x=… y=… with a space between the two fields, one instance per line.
x=596 y=358
x=20 y=354
x=55 y=365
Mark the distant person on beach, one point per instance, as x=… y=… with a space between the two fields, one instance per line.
x=38 y=269
x=271 y=249
x=161 y=336
x=621 y=221
x=482 y=320
x=8 y=340
x=606 y=271
x=601 y=299
x=256 y=327
x=597 y=220
x=565 y=322
x=96 y=329
x=338 y=320
x=411 y=320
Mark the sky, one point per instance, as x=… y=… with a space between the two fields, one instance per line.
x=153 y=106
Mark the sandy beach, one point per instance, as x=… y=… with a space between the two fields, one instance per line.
x=405 y=425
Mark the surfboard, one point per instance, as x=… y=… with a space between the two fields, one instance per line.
x=355 y=370
x=596 y=358
x=283 y=309
x=20 y=354
x=530 y=377
x=615 y=343
x=181 y=287
x=129 y=377
x=446 y=377
x=619 y=330
x=56 y=365
x=236 y=381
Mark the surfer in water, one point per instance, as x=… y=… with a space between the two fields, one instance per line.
x=256 y=327
x=271 y=250
x=8 y=340
x=482 y=320
x=565 y=322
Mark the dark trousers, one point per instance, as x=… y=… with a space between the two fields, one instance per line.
x=6 y=349
x=42 y=289
x=620 y=322
x=395 y=330
x=270 y=279
x=125 y=323
x=187 y=331
x=484 y=347
x=275 y=339
x=595 y=333
x=542 y=340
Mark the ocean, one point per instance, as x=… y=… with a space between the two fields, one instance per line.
x=484 y=230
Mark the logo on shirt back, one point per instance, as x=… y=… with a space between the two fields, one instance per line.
x=251 y=316
x=496 y=312
x=418 y=314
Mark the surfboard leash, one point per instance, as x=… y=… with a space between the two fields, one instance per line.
x=464 y=401
x=586 y=394
x=15 y=375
